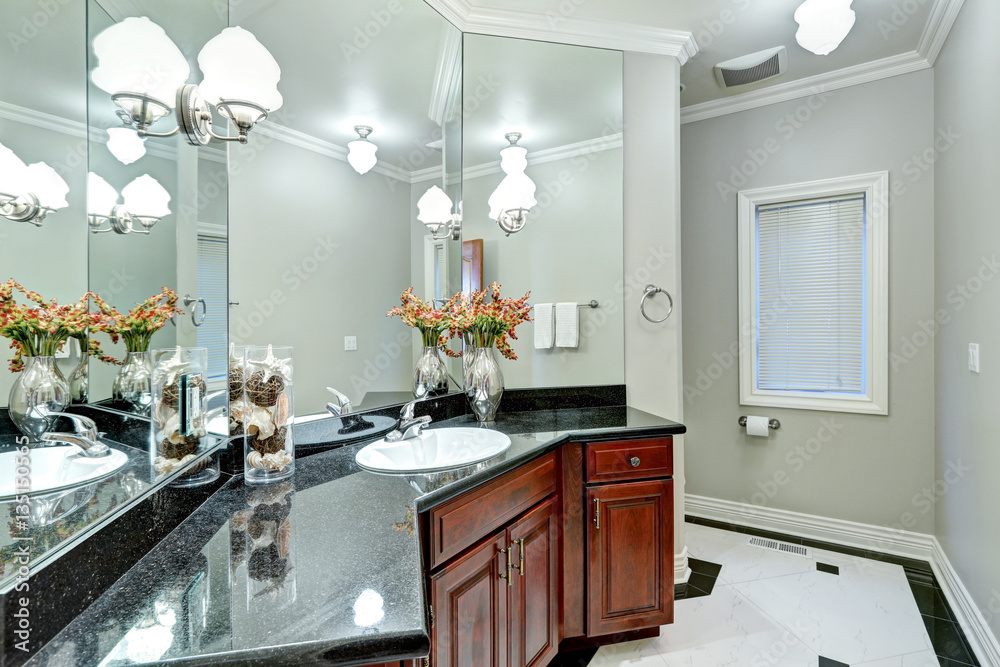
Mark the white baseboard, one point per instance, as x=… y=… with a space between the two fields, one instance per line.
x=681 y=570
x=864 y=536
x=977 y=630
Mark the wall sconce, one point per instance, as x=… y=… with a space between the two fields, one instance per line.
x=146 y=75
x=435 y=211
x=29 y=193
x=823 y=24
x=361 y=152
x=514 y=197
x=146 y=202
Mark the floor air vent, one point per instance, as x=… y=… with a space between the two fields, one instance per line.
x=782 y=547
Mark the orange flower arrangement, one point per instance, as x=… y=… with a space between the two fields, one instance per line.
x=488 y=323
x=137 y=328
x=433 y=324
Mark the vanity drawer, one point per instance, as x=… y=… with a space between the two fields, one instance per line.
x=459 y=523
x=620 y=460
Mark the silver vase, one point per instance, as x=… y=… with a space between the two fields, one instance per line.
x=134 y=382
x=483 y=383
x=39 y=389
x=430 y=377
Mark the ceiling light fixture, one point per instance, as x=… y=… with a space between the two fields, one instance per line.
x=361 y=152
x=823 y=24
x=514 y=197
x=28 y=193
x=146 y=75
x=435 y=211
x=146 y=202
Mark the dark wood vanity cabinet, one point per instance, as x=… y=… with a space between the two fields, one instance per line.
x=576 y=545
x=496 y=603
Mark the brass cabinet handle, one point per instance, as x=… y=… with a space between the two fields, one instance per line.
x=520 y=555
x=507 y=576
x=597 y=513
x=634 y=461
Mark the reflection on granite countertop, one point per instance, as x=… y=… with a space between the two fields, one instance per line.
x=322 y=569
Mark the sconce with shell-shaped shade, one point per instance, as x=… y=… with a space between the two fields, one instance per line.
x=28 y=193
x=515 y=196
x=241 y=77
x=146 y=201
x=434 y=209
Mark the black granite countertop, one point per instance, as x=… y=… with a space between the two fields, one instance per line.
x=322 y=569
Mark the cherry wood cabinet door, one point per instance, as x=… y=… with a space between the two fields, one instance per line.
x=630 y=553
x=470 y=605
x=534 y=597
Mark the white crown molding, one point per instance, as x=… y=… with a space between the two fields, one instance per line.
x=939 y=24
x=903 y=63
x=587 y=147
x=552 y=26
x=447 y=79
x=865 y=536
x=984 y=643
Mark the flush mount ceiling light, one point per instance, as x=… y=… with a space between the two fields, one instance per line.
x=435 y=211
x=28 y=193
x=823 y=24
x=514 y=197
x=126 y=145
x=146 y=202
x=146 y=75
x=361 y=152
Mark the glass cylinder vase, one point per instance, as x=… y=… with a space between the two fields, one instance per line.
x=179 y=415
x=266 y=415
x=39 y=389
x=430 y=377
x=483 y=383
x=134 y=383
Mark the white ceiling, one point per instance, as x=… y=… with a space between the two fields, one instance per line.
x=742 y=27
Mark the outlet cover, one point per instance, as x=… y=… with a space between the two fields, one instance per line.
x=350 y=343
x=974 y=357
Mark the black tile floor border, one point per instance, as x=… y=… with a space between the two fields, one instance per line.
x=827 y=662
x=829 y=569
x=949 y=642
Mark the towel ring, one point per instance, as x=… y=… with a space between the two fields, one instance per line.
x=188 y=302
x=649 y=291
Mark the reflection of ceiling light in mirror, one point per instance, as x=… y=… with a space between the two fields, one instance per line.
x=368 y=609
x=126 y=145
x=435 y=211
x=146 y=201
x=146 y=75
x=361 y=152
x=515 y=196
x=29 y=193
x=823 y=24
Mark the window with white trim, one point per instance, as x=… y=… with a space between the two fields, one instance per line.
x=813 y=286
x=213 y=281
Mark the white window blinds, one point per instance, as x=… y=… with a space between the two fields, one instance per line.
x=212 y=287
x=811 y=324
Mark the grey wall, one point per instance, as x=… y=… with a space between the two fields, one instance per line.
x=853 y=467
x=967 y=244
x=319 y=252
x=570 y=250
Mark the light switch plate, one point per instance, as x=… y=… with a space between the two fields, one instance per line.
x=974 y=357
x=350 y=343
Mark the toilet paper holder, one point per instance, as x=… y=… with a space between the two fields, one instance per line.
x=772 y=424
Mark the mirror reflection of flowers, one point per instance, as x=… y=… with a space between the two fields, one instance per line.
x=433 y=324
x=137 y=328
x=487 y=323
x=41 y=327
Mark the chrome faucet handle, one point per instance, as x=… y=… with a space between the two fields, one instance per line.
x=342 y=406
x=82 y=426
x=408 y=411
x=90 y=446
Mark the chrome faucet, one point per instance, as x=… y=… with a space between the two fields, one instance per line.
x=409 y=426
x=84 y=435
x=341 y=407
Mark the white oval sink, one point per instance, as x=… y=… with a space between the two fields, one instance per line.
x=57 y=467
x=434 y=449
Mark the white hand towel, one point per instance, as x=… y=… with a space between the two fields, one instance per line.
x=567 y=325
x=543 y=326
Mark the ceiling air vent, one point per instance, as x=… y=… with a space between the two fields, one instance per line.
x=755 y=67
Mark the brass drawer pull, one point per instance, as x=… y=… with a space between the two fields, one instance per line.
x=597 y=513
x=520 y=556
x=507 y=575
x=634 y=461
